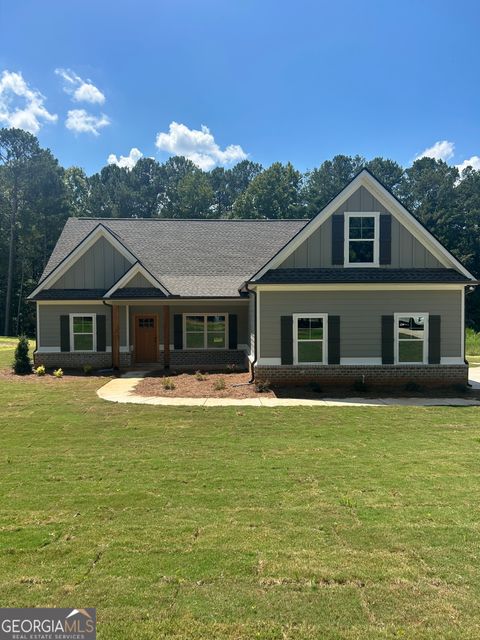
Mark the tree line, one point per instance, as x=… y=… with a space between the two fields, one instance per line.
x=37 y=195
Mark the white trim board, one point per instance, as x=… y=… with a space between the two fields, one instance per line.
x=391 y=204
x=134 y=270
x=100 y=231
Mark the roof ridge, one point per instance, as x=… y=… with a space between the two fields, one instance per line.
x=192 y=219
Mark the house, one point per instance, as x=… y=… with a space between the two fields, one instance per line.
x=362 y=290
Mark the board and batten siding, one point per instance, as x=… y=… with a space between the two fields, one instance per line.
x=99 y=268
x=316 y=251
x=49 y=320
x=360 y=317
x=138 y=281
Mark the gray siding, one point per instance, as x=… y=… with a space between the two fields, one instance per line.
x=99 y=268
x=360 y=317
x=316 y=251
x=139 y=280
x=49 y=318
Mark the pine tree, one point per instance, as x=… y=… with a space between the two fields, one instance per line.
x=21 y=364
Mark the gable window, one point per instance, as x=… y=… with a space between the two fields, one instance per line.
x=411 y=338
x=205 y=331
x=310 y=338
x=83 y=332
x=361 y=239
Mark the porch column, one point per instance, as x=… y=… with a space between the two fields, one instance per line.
x=166 y=336
x=116 y=336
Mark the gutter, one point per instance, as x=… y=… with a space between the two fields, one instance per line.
x=254 y=362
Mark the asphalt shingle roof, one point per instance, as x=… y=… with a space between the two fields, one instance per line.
x=70 y=294
x=352 y=275
x=189 y=257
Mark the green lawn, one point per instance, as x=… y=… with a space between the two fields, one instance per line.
x=315 y=523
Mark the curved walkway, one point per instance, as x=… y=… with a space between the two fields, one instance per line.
x=122 y=390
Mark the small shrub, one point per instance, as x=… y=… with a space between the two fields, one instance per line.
x=413 y=386
x=315 y=387
x=219 y=384
x=262 y=386
x=231 y=367
x=360 y=385
x=40 y=370
x=168 y=384
x=87 y=369
x=201 y=377
x=58 y=373
x=21 y=364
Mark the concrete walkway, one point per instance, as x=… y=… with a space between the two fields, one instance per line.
x=474 y=377
x=122 y=390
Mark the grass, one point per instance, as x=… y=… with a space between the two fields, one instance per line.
x=472 y=342
x=193 y=523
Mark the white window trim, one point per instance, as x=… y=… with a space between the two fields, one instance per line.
x=94 y=330
x=204 y=314
x=396 y=316
x=376 y=238
x=324 y=317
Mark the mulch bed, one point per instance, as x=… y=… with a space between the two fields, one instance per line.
x=236 y=386
x=187 y=386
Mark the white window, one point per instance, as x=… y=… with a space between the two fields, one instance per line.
x=310 y=338
x=83 y=332
x=205 y=331
x=411 y=338
x=362 y=239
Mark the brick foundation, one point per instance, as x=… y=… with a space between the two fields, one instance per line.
x=180 y=359
x=67 y=360
x=373 y=375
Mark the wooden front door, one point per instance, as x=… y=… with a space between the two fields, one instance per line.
x=146 y=343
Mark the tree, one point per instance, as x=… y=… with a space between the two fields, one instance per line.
x=77 y=191
x=273 y=193
x=21 y=362
x=389 y=172
x=17 y=147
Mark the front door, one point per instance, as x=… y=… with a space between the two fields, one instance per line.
x=146 y=347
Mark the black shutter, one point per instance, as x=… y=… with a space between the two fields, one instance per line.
x=387 y=340
x=64 y=333
x=434 y=340
x=178 y=331
x=286 y=339
x=232 y=331
x=333 y=339
x=385 y=238
x=338 y=239
x=101 y=333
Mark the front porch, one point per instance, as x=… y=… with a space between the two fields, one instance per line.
x=204 y=334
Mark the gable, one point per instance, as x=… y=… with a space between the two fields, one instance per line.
x=407 y=251
x=376 y=249
x=138 y=280
x=98 y=268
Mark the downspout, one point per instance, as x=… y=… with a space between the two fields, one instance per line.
x=254 y=362
x=111 y=325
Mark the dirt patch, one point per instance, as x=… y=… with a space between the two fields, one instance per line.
x=188 y=385
x=9 y=375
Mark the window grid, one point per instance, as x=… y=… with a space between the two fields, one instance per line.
x=411 y=338
x=83 y=336
x=310 y=338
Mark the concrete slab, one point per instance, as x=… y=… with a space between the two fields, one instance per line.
x=474 y=377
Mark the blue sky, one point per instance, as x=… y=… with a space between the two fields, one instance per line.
x=271 y=80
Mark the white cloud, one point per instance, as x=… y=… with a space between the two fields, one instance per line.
x=473 y=162
x=198 y=146
x=21 y=106
x=127 y=162
x=81 y=121
x=441 y=150
x=80 y=90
